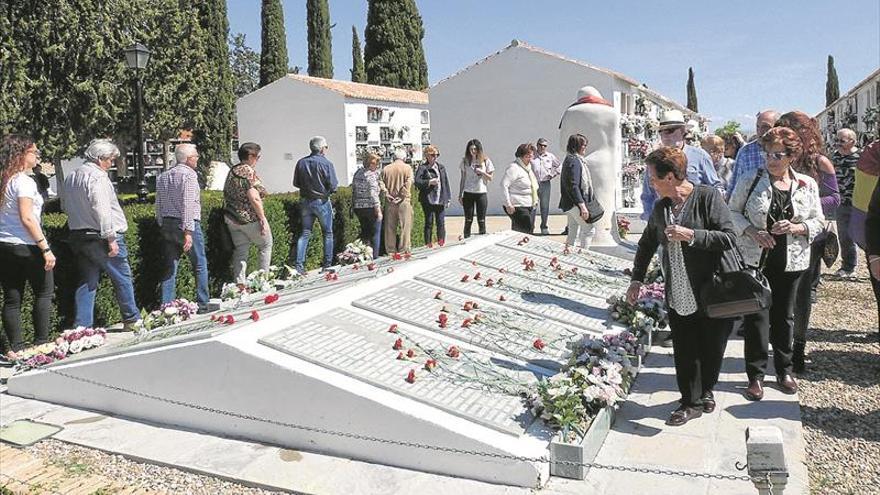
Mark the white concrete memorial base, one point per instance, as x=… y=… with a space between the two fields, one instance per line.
x=327 y=376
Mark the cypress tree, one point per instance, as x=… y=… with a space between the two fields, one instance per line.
x=320 y=51
x=273 y=54
x=357 y=60
x=691 y=91
x=832 y=86
x=393 y=55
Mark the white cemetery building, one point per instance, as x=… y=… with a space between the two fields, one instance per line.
x=354 y=117
x=519 y=94
x=858 y=109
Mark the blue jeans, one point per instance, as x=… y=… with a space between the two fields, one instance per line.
x=848 y=253
x=544 y=201
x=92 y=258
x=310 y=209
x=172 y=248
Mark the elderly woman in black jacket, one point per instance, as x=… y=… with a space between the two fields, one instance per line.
x=694 y=226
x=434 y=195
x=575 y=189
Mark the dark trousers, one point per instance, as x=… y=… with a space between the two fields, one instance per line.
x=848 y=253
x=806 y=287
x=698 y=343
x=521 y=219
x=434 y=214
x=480 y=202
x=875 y=284
x=371 y=228
x=20 y=264
x=772 y=326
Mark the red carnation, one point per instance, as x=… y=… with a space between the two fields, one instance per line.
x=255 y=316
x=271 y=298
x=392 y=328
x=453 y=352
x=464 y=278
x=538 y=344
x=473 y=263
x=477 y=276
x=560 y=276
x=229 y=320
x=430 y=364
x=438 y=295
x=468 y=305
x=490 y=282
x=502 y=298
x=401 y=356
x=466 y=323
x=397 y=256
x=371 y=266
x=411 y=377
x=213 y=317
x=442 y=319
x=410 y=353
x=398 y=345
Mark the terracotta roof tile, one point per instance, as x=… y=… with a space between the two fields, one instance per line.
x=365 y=91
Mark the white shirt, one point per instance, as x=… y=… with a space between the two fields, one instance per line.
x=546 y=166
x=516 y=186
x=91 y=203
x=474 y=183
x=12 y=231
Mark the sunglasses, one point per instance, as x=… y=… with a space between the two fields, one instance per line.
x=669 y=131
x=776 y=156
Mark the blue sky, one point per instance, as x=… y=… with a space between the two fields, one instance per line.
x=747 y=55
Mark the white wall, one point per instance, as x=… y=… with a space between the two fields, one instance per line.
x=514 y=97
x=281 y=117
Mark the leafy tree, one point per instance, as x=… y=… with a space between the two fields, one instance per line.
x=273 y=57
x=728 y=129
x=832 y=85
x=320 y=40
x=691 y=91
x=245 y=65
x=393 y=55
x=357 y=60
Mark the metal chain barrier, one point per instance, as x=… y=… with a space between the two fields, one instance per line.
x=401 y=443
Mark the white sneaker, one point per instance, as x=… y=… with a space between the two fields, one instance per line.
x=844 y=273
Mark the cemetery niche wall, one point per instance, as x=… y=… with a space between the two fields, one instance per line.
x=428 y=362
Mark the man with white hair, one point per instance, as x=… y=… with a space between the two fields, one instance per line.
x=751 y=156
x=845 y=158
x=315 y=177
x=97 y=235
x=398 y=178
x=700 y=169
x=179 y=215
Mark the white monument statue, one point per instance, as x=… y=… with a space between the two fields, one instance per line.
x=595 y=118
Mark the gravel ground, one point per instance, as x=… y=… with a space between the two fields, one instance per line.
x=155 y=479
x=840 y=391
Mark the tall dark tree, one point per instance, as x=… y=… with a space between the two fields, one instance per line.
x=245 y=65
x=393 y=55
x=692 y=92
x=273 y=51
x=357 y=59
x=320 y=51
x=832 y=85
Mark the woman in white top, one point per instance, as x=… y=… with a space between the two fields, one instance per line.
x=519 y=188
x=476 y=173
x=25 y=255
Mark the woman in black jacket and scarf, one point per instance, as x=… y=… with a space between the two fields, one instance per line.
x=434 y=195
x=694 y=226
x=575 y=189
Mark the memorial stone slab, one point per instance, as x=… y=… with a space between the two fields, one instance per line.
x=575 y=278
x=497 y=328
x=583 y=258
x=474 y=385
x=585 y=312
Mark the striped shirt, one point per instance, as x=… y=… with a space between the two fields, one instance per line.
x=177 y=196
x=748 y=159
x=90 y=202
x=845 y=169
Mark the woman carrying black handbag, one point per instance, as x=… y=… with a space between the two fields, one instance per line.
x=693 y=225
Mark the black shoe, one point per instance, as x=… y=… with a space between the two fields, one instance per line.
x=797 y=359
x=683 y=414
x=709 y=404
x=328 y=270
x=564 y=231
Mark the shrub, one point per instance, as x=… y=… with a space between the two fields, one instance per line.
x=142 y=237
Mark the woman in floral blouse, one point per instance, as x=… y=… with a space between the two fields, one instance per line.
x=365 y=188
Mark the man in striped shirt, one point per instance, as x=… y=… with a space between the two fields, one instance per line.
x=179 y=214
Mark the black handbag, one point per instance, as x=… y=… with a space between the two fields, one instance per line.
x=594 y=207
x=735 y=289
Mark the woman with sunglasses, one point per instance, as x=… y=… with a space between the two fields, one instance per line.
x=776 y=214
x=25 y=255
x=434 y=195
x=814 y=163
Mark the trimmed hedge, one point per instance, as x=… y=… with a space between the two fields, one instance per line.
x=282 y=211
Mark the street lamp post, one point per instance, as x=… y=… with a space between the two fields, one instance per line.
x=137 y=56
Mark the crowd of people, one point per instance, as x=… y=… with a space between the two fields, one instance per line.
x=773 y=205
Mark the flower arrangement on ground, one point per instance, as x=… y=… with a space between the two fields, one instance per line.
x=623 y=225
x=170 y=313
x=68 y=343
x=355 y=252
x=260 y=281
x=598 y=375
